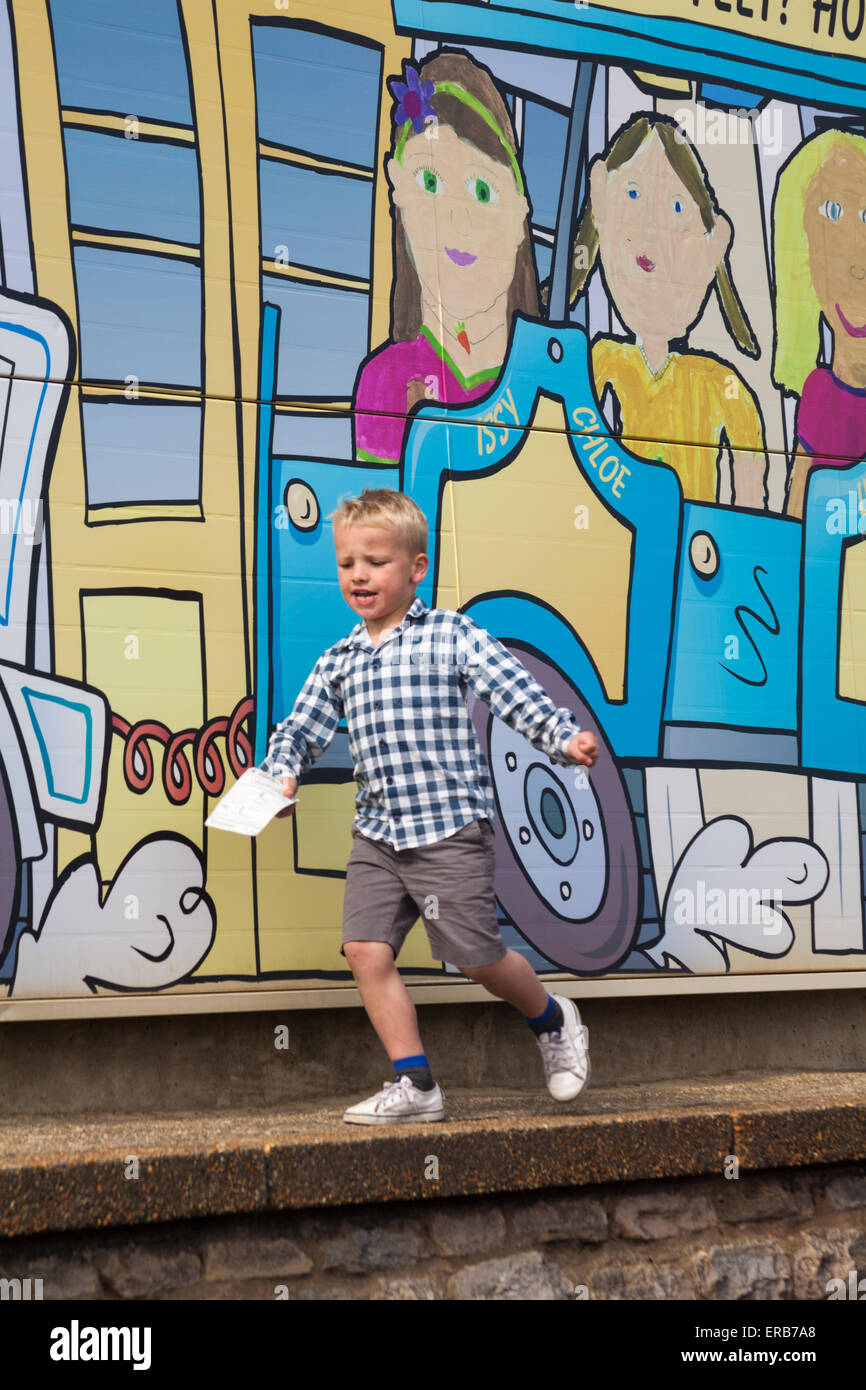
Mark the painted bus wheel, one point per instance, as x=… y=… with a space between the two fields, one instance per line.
x=567 y=859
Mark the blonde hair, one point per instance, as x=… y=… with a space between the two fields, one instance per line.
x=797 y=311
x=383 y=506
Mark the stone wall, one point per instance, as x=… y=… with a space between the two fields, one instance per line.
x=773 y=1235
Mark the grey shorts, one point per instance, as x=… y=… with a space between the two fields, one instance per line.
x=449 y=885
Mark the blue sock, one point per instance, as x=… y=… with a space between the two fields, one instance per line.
x=417 y=1069
x=550 y=1020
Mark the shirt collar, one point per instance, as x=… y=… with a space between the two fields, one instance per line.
x=360 y=637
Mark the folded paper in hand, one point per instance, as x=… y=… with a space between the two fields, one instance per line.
x=250 y=804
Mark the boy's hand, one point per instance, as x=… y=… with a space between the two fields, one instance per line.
x=289 y=786
x=583 y=748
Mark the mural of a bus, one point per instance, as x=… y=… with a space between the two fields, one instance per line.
x=639 y=439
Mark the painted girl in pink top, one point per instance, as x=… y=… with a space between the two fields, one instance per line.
x=463 y=260
x=819 y=245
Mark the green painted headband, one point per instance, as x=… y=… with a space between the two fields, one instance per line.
x=453 y=89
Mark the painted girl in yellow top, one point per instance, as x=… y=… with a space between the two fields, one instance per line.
x=652 y=218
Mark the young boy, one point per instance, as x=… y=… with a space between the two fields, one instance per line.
x=422 y=831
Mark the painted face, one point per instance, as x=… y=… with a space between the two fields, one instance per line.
x=375 y=570
x=463 y=218
x=657 y=258
x=835 y=222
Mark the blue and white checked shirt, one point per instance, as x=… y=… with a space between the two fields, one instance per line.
x=419 y=767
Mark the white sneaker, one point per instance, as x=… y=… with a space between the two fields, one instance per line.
x=398 y=1101
x=566 y=1053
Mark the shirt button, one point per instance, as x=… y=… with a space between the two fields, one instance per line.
x=382 y=743
x=390 y=781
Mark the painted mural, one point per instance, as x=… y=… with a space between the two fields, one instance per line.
x=589 y=284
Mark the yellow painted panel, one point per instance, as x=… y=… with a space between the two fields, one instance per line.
x=852 y=633
x=145 y=653
x=516 y=532
x=324 y=826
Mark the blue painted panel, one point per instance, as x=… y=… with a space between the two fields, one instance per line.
x=834 y=727
x=324 y=221
x=720 y=94
x=139 y=315
x=125 y=57
x=648 y=41
x=133 y=186
x=317 y=93
x=323 y=337
x=141 y=451
x=543 y=153
x=734 y=657
x=308 y=611
x=313 y=436
x=543 y=259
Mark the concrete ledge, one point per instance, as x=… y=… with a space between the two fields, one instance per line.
x=185 y=1065
x=64 y=1174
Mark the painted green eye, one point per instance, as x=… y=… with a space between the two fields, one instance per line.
x=481 y=190
x=430 y=182
x=832 y=211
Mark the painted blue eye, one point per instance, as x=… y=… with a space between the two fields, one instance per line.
x=633 y=193
x=678 y=207
x=832 y=211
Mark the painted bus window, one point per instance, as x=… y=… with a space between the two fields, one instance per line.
x=132 y=172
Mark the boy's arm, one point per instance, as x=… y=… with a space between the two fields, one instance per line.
x=496 y=676
x=300 y=739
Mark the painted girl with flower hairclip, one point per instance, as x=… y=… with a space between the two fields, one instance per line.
x=463 y=262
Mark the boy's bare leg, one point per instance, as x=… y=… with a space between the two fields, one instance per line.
x=514 y=980
x=385 y=997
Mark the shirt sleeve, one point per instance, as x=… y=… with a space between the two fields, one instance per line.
x=299 y=740
x=496 y=676
x=379 y=412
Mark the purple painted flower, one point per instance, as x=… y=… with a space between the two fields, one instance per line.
x=413 y=97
